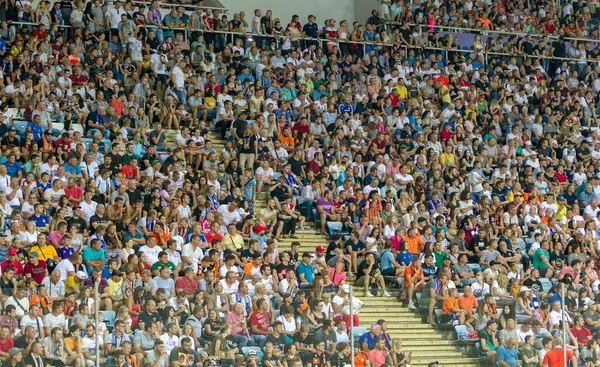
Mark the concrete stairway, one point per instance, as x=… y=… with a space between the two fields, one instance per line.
x=424 y=341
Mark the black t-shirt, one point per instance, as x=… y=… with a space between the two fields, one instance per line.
x=146 y=318
x=330 y=250
x=79 y=223
x=248 y=145
x=7 y=288
x=282 y=269
x=364 y=266
x=190 y=357
x=247 y=254
x=267 y=23
x=304 y=343
x=278 y=342
x=239 y=126
x=134 y=195
x=98 y=220
x=428 y=270
x=296 y=166
x=279 y=192
x=536 y=286
x=560 y=49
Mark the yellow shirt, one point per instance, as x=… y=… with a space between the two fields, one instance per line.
x=45 y=252
x=402 y=91
x=447 y=159
x=71 y=285
x=446 y=94
x=233 y=243
x=115 y=289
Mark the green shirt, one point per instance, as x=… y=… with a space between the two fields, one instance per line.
x=158 y=265
x=529 y=352
x=439 y=258
x=537 y=262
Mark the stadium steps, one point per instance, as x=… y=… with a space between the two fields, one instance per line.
x=423 y=340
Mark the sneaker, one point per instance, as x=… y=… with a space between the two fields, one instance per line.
x=301 y=228
x=411 y=306
x=349 y=274
x=368 y=294
x=386 y=294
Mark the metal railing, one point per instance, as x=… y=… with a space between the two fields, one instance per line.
x=486 y=32
x=221 y=10
x=363 y=44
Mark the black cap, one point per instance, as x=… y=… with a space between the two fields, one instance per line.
x=306 y=254
x=494 y=262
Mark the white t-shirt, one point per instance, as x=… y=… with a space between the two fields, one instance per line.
x=179 y=80
x=151 y=253
x=194 y=255
x=88 y=209
x=64 y=266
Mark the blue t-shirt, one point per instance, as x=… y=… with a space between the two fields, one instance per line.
x=508 y=356
x=90 y=255
x=307 y=270
x=360 y=245
x=369 y=339
x=13 y=169
x=40 y=221
x=76 y=170
x=37 y=131
x=404 y=257
x=386 y=258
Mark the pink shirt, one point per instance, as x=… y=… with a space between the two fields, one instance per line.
x=231 y=318
x=377 y=357
x=55 y=236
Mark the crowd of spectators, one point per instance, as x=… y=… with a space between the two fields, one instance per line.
x=464 y=181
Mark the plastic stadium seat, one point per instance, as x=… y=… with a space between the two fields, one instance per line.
x=357 y=332
x=86 y=142
x=58 y=126
x=78 y=128
x=21 y=126
x=546 y=284
x=109 y=318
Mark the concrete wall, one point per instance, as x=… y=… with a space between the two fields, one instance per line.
x=350 y=10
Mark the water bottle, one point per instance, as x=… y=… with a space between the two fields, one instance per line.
x=535 y=304
x=454 y=320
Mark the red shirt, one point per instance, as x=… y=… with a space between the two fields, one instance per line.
x=37 y=272
x=554 y=358
x=581 y=335
x=188 y=287
x=260 y=319
x=78 y=78
x=129 y=171
x=6 y=345
x=210 y=237
x=301 y=129
x=15 y=265
x=75 y=192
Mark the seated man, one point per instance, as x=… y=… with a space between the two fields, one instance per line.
x=434 y=293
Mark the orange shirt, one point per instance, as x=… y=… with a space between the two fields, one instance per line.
x=73 y=344
x=414 y=245
x=118 y=106
x=248 y=268
x=411 y=271
x=449 y=304
x=41 y=302
x=361 y=359
x=286 y=141
x=467 y=303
